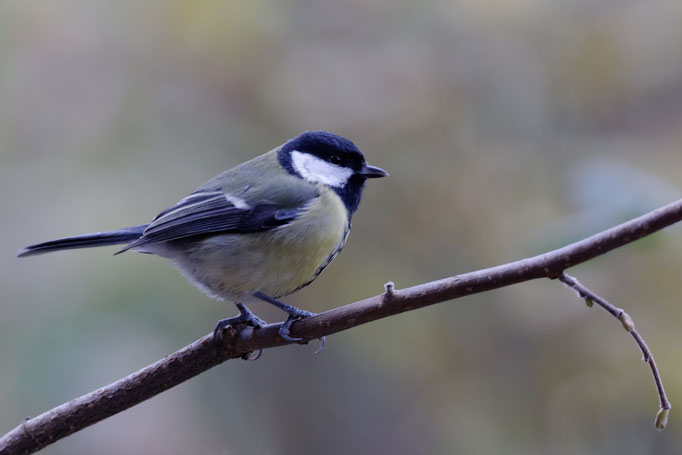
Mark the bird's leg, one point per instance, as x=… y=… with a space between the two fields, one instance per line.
x=245 y=317
x=294 y=315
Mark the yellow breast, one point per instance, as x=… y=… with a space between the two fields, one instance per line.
x=276 y=262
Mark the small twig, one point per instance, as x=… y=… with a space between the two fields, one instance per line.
x=389 y=291
x=629 y=325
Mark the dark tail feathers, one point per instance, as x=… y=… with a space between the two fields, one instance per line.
x=86 y=241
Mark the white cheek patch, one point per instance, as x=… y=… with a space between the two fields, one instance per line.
x=317 y=170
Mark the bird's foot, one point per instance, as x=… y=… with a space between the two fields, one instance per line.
x=245 y=317
x=284 y=329
x=295 y=314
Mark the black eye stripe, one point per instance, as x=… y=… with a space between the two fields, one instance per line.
x=335 y=159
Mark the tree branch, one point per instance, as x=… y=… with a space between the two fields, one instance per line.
x=207 y=352
x=629 y=325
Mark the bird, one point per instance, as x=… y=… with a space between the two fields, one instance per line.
x=259 y=231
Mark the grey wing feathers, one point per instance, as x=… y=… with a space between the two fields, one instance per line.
x=206 y=212
x=200 y=210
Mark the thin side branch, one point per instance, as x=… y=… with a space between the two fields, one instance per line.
x=629 y=325
x=207 y=352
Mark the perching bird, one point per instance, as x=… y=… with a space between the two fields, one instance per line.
x=259 y=231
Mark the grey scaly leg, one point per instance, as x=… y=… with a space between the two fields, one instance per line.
x=294 y=315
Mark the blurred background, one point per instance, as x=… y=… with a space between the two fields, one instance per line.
x=509 y=128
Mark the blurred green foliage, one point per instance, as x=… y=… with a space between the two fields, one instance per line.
x=508 y=127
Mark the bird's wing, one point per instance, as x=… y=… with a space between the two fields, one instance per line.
x=207 y=212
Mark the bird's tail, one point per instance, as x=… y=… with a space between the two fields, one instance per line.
x=86 y=241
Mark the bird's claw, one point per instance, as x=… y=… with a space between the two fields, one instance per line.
x=245 y=317
x=323 y=341
x=294 y=315
x=286 y=325
x=284 y=329
x=253 y=358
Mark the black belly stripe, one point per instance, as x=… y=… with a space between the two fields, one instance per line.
x=331 y=257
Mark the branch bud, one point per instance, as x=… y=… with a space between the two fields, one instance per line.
x=662 y=418
x=389 y=288
x=626 y=320
x=589 y=302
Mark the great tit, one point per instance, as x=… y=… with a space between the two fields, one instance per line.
x=259 y=231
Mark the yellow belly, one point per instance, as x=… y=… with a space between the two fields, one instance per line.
x=276 y=262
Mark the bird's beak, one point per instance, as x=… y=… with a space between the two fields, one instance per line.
x=372 y=172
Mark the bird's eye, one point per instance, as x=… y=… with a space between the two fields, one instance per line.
x=335 y=159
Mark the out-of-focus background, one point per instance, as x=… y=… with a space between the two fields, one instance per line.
x=509 y=128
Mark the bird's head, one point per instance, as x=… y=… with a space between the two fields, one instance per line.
x=325 y=158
